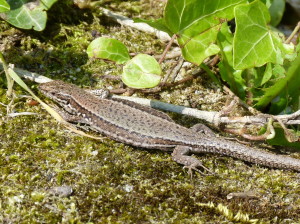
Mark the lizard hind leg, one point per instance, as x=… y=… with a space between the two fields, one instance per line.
x=181 y=156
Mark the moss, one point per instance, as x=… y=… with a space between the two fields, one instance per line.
x=113 y=182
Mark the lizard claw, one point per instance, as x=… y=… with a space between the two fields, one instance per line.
x=180 y=155
x=194 y=167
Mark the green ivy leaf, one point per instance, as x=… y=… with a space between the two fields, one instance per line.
x=267 y=75
x=228 y=74
x=143 y=71
x=201 y=46
x=276 y=11
x=4 y=6
x=27 y=14
x=254 y=44
x=280 y=139
x=289 y=84
x=108 y=48
x=188 y=18
x=196 y=25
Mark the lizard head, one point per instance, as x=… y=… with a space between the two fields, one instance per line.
x=58 y=90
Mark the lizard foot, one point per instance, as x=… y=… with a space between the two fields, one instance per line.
x=194 y=167
x=181 y=155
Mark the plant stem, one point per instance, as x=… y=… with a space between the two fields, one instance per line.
x=10 y=81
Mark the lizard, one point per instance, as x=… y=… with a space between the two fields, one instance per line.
x=145 y=127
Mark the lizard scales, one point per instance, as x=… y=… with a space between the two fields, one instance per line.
x=145 y=127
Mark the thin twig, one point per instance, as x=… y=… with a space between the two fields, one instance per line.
x=123 y=20
x=288 y=134
x=176 y=69
x=21 y=114
x=167 y=49
x=295 y=31
x=174 y=53
x=269 y=134
x=242 y=103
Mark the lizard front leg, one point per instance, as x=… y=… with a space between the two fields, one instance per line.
x=202 y=128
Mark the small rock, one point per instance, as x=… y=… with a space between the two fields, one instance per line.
x=62 y=191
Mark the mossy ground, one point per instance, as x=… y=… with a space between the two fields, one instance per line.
x=113 y=182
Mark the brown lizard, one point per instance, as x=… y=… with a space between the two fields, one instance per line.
x=145 y=127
